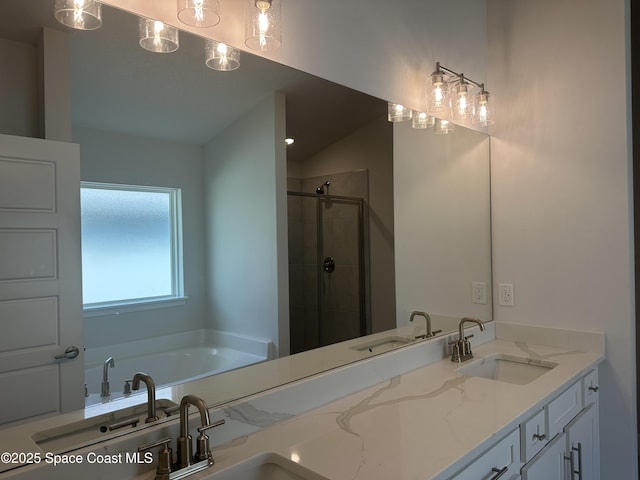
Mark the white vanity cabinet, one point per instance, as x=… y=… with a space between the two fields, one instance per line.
x=502 y=460
x=573 y=450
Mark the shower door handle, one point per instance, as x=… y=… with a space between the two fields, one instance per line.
x=329 y=265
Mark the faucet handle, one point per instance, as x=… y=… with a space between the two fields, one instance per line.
x=202 y=443
x=211 y=425
x=163 y=471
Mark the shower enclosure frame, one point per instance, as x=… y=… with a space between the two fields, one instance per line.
x=321 y=199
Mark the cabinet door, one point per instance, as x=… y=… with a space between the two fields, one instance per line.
x=549 y=464
x=500 y=461
x=582 y=446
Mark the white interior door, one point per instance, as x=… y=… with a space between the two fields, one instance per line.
x=40 y=278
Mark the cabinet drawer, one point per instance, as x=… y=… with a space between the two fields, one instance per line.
x=533 y=436
x=492 y=464
x=590 y=387
x=563 y=408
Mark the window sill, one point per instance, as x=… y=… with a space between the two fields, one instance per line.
x=129 y=307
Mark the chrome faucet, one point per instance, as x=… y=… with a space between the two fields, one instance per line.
x=186 y=463
x=151 y=394
x=104 y=390
x=185 y=457
x=462 y=346
x=428 y=333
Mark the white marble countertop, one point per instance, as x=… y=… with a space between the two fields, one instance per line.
x=412 y=416
x=417 y=425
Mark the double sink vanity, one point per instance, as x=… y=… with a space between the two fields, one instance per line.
x=525 y=407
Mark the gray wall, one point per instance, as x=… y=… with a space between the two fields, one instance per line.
x=117 y=158
x=370 y=148
x=246 y=226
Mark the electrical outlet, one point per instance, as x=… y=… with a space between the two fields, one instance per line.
x=505 y=294
x=479 y=293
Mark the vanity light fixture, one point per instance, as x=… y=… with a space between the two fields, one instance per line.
x=398 y=113
x=157 y=36
x=453 y=93
x=199 y=13
x=79 y=14
x=220 y=56
x=422 y=120
x=263 y=25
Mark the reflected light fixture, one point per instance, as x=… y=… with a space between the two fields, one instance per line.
x=398 y=113
x=263 y=25
x=452 y=92
x=220 y=56
x=443 y=127
x=422 y=120
x=79 y=14
x=157 y=36
x=199 y=13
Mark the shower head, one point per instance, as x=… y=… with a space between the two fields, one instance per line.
x=320 y=189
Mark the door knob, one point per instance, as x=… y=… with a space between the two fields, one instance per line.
x=69 y=353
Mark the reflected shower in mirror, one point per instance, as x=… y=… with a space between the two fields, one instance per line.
x=397 y=221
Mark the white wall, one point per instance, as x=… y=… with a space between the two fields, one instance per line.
x=442 y=221
x=246 y=226
x=118 y=158
x=562 y=187
x=369 y=147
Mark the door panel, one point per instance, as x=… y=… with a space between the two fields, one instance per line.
x=40 y=277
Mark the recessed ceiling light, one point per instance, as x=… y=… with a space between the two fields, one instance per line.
x=289 y=140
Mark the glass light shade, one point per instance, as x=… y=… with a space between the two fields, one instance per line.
x=199 y=13
x=398 y=113
x=462 y=101
x=444 y=127
x=483 y=109
x=422 y=120
x=220 y=56
x=157 y=36
x=263 y=25
x=438 y=94
x=79 y=14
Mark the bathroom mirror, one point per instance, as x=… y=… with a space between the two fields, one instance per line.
x=147 y=119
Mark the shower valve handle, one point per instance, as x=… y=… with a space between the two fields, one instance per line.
x=329 y=265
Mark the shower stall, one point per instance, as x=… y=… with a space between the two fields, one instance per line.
x=327 y=268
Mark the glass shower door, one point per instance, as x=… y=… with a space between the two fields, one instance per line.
x=340 y=269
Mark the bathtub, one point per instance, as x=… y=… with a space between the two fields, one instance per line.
x=170 y=360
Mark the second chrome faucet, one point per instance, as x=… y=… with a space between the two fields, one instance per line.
x=462 y=346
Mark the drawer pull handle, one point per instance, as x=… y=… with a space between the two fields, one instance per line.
x=499 y=472
x=540 y=437
x=594 y=389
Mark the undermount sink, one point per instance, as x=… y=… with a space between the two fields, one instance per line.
x=383 y=344
x=96 y=429
x=266 y=466
x=508 y=368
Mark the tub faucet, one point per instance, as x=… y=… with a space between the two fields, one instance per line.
x=202 y=457
x=462 y=346
x=428 y=333
x=104 y=390
x=151 y=394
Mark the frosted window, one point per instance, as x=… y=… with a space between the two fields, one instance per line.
x=129 y=243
